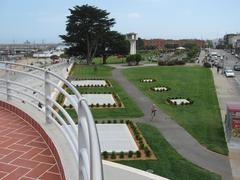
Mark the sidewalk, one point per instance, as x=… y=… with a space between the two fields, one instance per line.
x=226 y=92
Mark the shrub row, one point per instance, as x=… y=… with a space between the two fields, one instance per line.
x=97 y=93
x=113 y=155
x=139 y=139
x=79 y=79
x=171 y=62
x=110 y=122
x=93 y=85
x=103 y=105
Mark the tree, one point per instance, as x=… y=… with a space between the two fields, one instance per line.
x=150 y=47
x=112 y=43
x=54 y=57
x=209 y=43
x=85 y=27
x=140 y=44
x=171 y=46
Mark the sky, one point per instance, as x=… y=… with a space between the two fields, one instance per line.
x=42 y=21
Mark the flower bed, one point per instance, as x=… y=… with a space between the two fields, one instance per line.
x=98 y=100
x=178 y=101
x=144 y=152
x=160 y=88
x=91 y=83
x=147 y=80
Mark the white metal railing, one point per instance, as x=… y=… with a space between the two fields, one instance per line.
x=83 y=139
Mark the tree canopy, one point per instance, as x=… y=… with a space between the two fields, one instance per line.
x=111 y=43
x=86 y=25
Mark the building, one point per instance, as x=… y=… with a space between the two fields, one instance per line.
x=160 y=43
x=237 y=47
x=230 y=39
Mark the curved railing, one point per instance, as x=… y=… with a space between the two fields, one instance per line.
x=34 y=86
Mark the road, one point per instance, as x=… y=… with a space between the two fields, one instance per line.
x=229 y=61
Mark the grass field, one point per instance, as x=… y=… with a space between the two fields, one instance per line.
x=169 y=163
x=202 y=119
x=90 y=71
x=130 y=109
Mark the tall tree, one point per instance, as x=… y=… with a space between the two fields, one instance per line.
x=85 y=27
x=112 y=43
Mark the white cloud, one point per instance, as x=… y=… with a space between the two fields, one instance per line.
x=134 y=15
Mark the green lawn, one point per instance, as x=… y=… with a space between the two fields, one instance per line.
x=169 y=163
x=202 y=119
x=82 y=71
x=130 y=110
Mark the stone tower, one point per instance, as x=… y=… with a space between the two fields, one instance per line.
x=132 y=38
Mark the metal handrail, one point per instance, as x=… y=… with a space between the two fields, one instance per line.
x=90 y=143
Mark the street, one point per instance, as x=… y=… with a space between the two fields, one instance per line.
x=229 y=61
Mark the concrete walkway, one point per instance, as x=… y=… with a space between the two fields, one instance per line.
x=178 y=137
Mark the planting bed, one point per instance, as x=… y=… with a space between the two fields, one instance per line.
x=98 y=100
x=116 y=137
x=147 y=80
x=160 y=88
x=90 y=83
x=179 y=101
x=123 y=140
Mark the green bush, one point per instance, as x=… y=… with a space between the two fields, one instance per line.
x=147 y=152
x=133 y=59
x=138 y=154
x=121 y=155
x=130 y=154
x=162 y=63
x=113 y=155
x=142 y=146
x=207 y=65
x=138 y=58
x=105 y=155
x=180 y=62
x=171 y=62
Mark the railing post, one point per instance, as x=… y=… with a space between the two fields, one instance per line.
x=47 y=94
x=7 y=80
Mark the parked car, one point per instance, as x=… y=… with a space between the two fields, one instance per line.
x=229 y=73
x=236 y=67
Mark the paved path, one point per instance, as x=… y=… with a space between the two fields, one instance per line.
x=23 y=152
x=181 y=140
